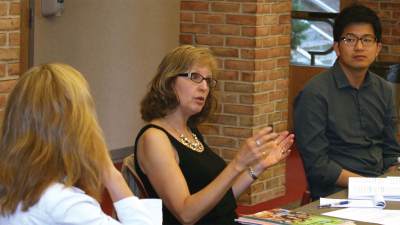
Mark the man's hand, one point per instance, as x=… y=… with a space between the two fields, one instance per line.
x=343 y=179
x=393 y=168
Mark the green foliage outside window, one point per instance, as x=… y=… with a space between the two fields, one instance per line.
x=298 y=27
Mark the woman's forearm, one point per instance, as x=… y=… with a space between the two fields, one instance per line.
x=197 y=205
x=116 y=185
x=244 y=181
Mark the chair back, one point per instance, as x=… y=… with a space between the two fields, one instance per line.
x=132 y=178
x=296 y=177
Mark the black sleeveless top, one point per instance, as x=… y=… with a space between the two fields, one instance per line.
x=199 y=169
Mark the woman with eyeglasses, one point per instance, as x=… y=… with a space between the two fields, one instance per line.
x=172 y=159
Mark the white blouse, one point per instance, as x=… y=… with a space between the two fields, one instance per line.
x=70 y=205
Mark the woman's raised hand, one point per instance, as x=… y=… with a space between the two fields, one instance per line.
x=277 y=149
x=256 y=148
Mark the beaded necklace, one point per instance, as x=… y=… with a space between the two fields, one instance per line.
x=194 y=145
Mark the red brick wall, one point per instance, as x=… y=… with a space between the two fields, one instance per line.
x=9 y=48
x=251 y=39
x=389 y=12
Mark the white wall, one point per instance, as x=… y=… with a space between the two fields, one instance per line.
x=117 y=45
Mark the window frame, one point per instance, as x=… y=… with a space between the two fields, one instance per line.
x=315 y=16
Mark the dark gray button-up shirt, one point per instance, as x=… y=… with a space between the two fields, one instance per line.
x=340 y=127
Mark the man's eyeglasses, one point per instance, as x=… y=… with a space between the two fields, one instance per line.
x=198 y=78
x=352 y=40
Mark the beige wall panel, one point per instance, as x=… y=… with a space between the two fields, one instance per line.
x=117 y=45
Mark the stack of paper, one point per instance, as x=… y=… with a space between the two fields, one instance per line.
x=370 y=188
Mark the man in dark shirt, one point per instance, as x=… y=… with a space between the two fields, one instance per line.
x=345 y=118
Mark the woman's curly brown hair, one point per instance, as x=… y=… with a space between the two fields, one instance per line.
x=161 y=98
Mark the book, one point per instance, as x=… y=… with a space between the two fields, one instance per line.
x=280 y=216
x=369 y=188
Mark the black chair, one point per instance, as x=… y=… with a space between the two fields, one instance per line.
x=129 y=173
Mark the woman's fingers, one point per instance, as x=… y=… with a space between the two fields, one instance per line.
x=265 y=144
x=266 y=135
x=286 y=153
x=278 y=151
x=287 y=142
x=281 y=136
x=265 y=139
x=260 y=134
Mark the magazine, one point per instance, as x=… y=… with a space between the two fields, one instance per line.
x=287 y=217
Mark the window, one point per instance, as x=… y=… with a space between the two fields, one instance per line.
x=312 y=39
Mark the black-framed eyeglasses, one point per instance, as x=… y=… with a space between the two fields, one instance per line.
x=198 y=78
x=352 y=40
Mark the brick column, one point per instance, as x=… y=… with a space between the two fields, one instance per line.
x=389 y=13
x=251 y=39
x=9 y=48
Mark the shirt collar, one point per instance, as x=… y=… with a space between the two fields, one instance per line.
x=341 y=78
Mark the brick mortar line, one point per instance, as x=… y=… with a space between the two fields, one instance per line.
x=13 y=77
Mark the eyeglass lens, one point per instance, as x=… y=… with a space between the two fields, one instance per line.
x=198 y=78
x=351 y=40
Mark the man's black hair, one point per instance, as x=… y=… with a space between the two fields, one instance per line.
x=356 y=14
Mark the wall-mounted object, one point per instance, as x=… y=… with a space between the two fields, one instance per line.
x=52 y=7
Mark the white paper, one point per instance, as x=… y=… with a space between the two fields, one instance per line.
x=377 y=202
x=367 y=188
x=370 y=215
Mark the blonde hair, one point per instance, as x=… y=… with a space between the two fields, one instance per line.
x=49 y=134
x=161 y=98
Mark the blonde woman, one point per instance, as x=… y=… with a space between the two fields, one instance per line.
x=54 y=162
x=175 y=163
